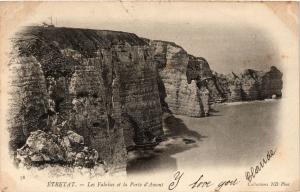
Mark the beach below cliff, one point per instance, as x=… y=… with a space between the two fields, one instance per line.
x=234 y=135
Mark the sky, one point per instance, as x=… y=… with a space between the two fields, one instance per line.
x=231 y=36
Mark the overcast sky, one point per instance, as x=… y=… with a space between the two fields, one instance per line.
x=232 y=37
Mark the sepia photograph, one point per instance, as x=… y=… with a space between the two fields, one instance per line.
x=149 y=96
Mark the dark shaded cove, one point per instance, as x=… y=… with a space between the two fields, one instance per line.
x=160 y=159
x=175 y=127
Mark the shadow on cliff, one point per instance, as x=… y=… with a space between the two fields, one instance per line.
x=178 y=139
x=174 y=127
x=162 y=95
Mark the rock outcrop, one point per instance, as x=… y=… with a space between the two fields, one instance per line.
x=111 y=88
x=48 y=148
x=271 y=84
x=99 y=84
x=181 y=78
x=251 y=85
x=230 y=85
x=29 y=99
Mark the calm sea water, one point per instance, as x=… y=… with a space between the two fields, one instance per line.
x=237 y=134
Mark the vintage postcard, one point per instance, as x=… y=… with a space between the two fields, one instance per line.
x=149 y=96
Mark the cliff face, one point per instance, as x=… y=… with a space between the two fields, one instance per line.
x=29 y=99
x=251 y=85
x=100 y=84
x=188 y=86
x=112 y=87
x=172 y=62
x=181 y=78
x=271 y=83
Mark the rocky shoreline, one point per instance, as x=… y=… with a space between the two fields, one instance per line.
x=110 y=89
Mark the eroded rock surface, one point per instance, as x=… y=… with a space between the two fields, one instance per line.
x=183 y=80
x=99 y=84
x=251 y=85
x=272 y=83
x=111 y=88
x=65 y=149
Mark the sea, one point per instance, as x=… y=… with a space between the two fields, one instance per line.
x=235 y=134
